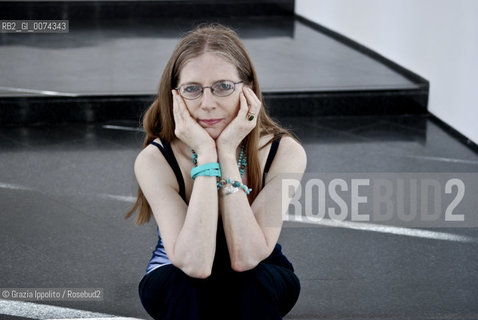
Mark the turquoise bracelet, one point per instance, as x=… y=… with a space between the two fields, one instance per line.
x=211 y=169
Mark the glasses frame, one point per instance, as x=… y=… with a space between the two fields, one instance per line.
x=210 y=87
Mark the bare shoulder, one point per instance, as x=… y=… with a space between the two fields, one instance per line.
x=290 y=157
x=147 y=158
x=291 y=151
x=289 y=144
x=150 y=164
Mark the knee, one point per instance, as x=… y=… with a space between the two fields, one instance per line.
x=169 y=291
x=258 y=279
x=165 y=284
x=279 y=286
x=261 y=274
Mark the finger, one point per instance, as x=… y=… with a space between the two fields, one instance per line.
x=183 y=115
x=180 y=104
x=182 y=108
x=244 y=107
x=251 y=115
x=251 y=95
x=253 y=101
x=253 y=110
x=176 y=108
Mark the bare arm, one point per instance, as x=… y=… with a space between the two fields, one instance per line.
x=188 y=232
x=252 y=231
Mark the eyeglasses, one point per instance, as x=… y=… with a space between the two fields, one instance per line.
x=221 y=88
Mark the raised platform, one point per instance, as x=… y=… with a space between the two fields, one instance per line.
x=108 y=68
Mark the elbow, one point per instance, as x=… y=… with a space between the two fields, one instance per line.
x=242 y=265
x=193 y=266
x=199 y=272
x=244 y=262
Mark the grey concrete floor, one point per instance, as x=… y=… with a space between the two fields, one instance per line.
x=64 y=191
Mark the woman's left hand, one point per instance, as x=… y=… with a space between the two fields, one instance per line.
x=240 y=126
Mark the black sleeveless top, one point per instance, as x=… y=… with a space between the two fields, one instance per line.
x=221 y=260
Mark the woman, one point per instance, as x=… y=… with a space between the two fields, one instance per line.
x=202 y=173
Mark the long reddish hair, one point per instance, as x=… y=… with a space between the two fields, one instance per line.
x=158 y=121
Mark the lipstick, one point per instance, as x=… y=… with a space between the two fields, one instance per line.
x=210 y=122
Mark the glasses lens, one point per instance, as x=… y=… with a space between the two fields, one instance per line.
x=190 y=91
x=223 y=88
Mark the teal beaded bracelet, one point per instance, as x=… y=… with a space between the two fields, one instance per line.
x=233 y=186
x=211 y=169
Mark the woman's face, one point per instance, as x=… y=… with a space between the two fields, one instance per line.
x=213 y=113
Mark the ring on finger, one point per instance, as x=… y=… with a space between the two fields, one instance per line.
x=250 y=116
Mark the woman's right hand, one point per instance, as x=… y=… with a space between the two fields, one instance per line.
x=188 y=130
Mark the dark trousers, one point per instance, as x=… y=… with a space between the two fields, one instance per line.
x=268 y=291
